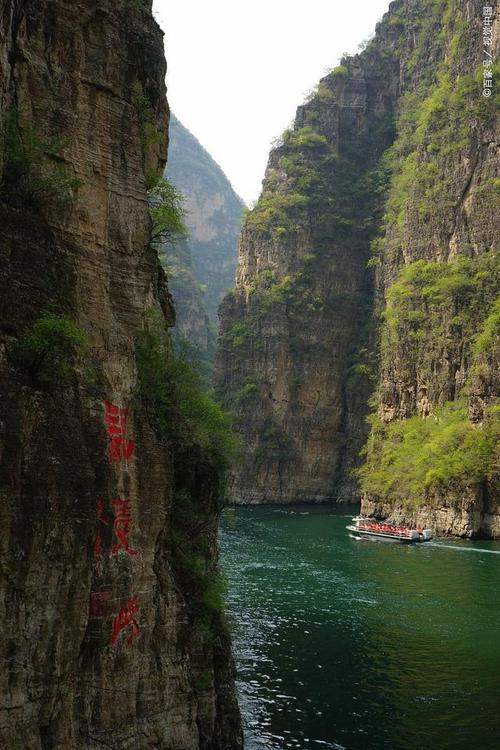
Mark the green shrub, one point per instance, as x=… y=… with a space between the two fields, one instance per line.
x=430 y=301
x=33 y=168
x=306 y=138
x=145 y=113
x=49 y=348
x=278 y=209
x=434 y=122
x=152 y=178
x=166 y=207
x=247 y=392
x=238 y=334
x=341 y=71
x=489 y=335
x=176 y=402
x=215 y=590
x=407 y=459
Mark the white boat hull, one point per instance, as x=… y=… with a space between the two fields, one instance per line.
x=414 y=537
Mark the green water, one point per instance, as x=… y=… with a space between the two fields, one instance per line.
x=359 y=644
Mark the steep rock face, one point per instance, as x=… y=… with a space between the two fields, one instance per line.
x=191 y=317
x=213 y=219
x=393 y=156
x=438 y=278
x=100 y=641
x=293 y=361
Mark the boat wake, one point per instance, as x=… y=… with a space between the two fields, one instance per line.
x=458 y=548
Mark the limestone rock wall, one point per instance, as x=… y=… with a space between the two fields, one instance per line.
x=442 y=214
x=99 y=643
x=370 y=266
x=294 y=361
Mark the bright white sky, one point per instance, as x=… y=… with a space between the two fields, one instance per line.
x=238 y=70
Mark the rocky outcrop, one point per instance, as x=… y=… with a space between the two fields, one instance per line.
x=392 y=164
x=101 y=645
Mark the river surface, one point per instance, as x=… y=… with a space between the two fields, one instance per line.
x=358 y=644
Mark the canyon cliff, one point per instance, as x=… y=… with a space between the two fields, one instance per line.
x=112 y=628
x=367 y=282
x=203 y=265
x=200 y=264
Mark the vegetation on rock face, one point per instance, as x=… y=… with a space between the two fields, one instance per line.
x=438 y=117
x=172 y=392
x=142 y=105
x=50 y=347
x=311 y=179
x=434 y=310
x=441 y=319
x=193 y=563
x=432 y=128
x=166 y=207
x=247 y=392
x=169 y=237
x=489 y=335
x=136 y=5
x=400 y=159
x=408 y=459
x=432 y=305
x=33 y=168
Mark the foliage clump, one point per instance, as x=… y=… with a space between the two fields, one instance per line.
x=50 y=349
x=306 y=138
x=238 y=334
x=407 y=459
x=166 y=208
x=247 y=392
x=341 y=71
x=145 y=113
x=438 y=118
x=33 y=167
x=276 y=209
x=433 y=304
x=489 y=336
x=176 y=401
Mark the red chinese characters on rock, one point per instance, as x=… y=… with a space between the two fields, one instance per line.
x=120 y=449
x=116 y=418
x=121 y=526
x=126 y=619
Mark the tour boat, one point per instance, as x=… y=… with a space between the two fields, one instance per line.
x=370 y=528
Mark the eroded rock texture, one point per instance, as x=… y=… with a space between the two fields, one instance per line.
x=100 y=641
x=439 y=341
x=393 y=158
x=294 y=335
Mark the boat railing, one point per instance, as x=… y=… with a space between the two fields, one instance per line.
x=384 y=528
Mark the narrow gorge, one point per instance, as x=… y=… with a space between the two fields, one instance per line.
x=367 y=285
x=200 y=265
x=166 y=352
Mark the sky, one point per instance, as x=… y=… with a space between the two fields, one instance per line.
x=238 y=69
